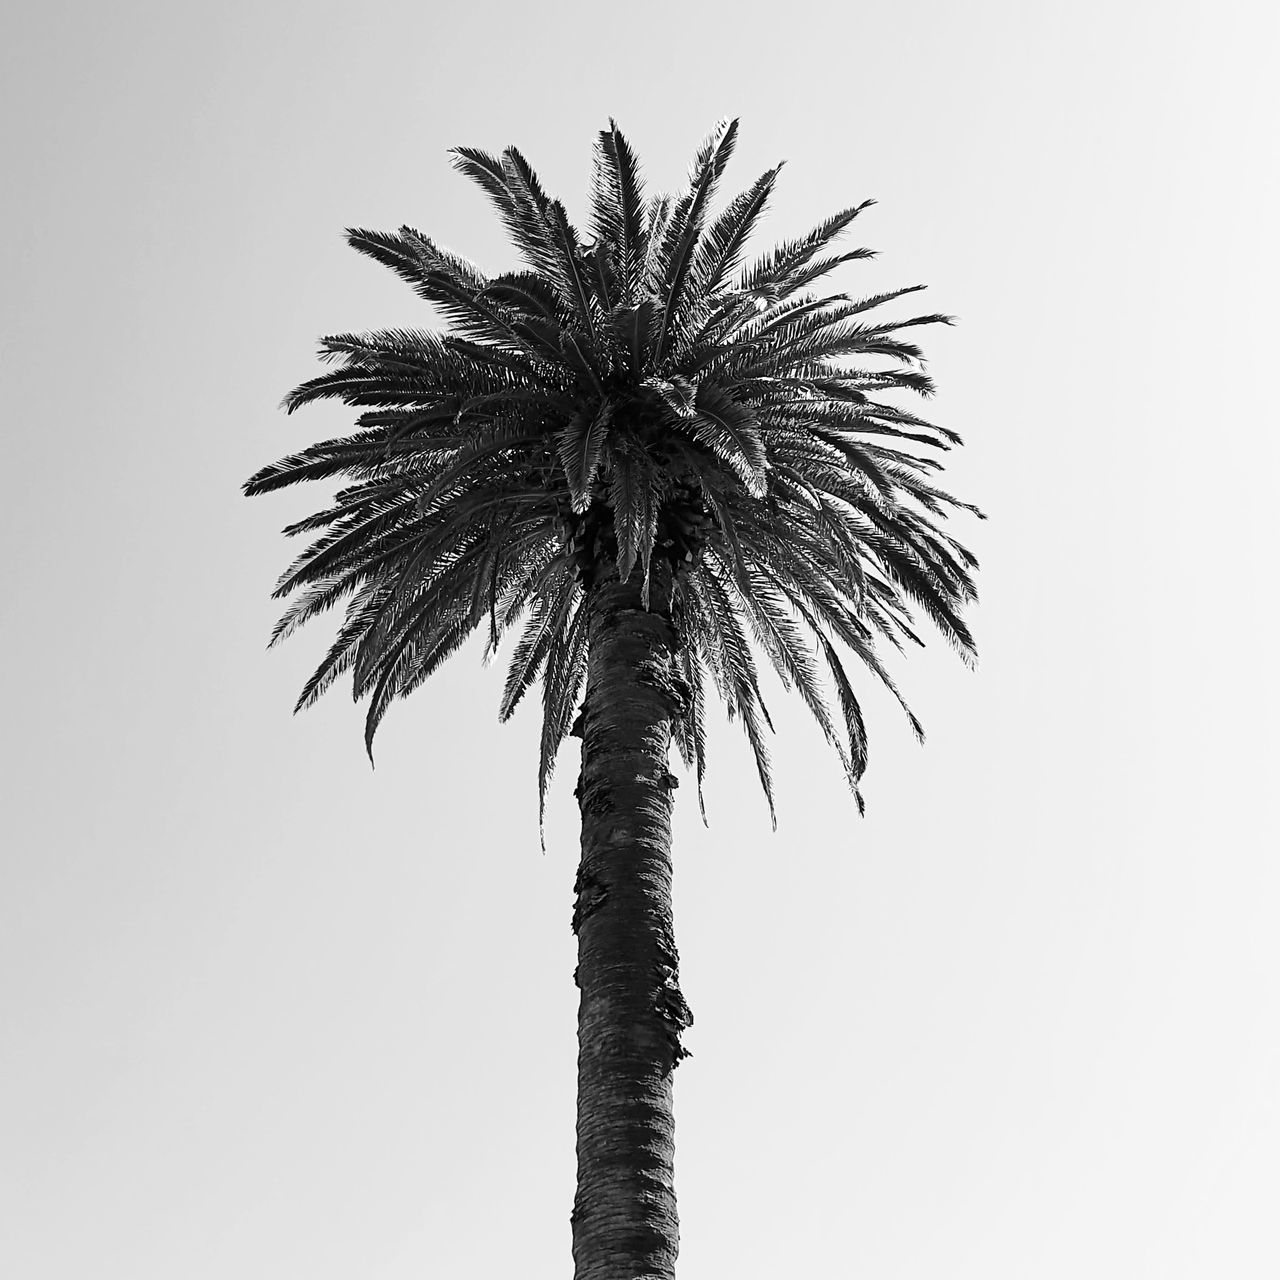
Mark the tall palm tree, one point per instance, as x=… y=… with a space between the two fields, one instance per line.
x=662 y=465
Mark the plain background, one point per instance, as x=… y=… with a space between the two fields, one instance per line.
x=267 y=1013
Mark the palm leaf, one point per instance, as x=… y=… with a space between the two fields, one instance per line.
x=618 y=208
x=683 y=230
x=581 y=445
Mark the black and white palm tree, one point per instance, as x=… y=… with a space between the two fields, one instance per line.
x=659 y=466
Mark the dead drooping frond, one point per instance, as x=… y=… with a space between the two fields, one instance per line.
x=623 y=400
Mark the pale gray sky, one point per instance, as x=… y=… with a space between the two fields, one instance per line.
x=267 y=1014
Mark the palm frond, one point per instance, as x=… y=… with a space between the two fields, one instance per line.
x=771 y=274
x=581 y=446
x=566 y=669
x=618 y=209
x=682 y=231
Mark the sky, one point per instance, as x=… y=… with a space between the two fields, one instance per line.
x=267 y=1012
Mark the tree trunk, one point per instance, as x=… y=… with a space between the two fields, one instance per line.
x=631 y=1011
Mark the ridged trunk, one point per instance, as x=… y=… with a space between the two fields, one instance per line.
x=631 y=1011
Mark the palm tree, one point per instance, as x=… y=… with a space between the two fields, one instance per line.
x=662 y=466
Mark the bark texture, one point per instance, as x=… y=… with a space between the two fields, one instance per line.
x=631 y=1011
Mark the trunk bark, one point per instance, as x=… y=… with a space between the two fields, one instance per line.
x=631 y=1011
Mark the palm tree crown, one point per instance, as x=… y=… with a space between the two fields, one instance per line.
x=635 y=403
